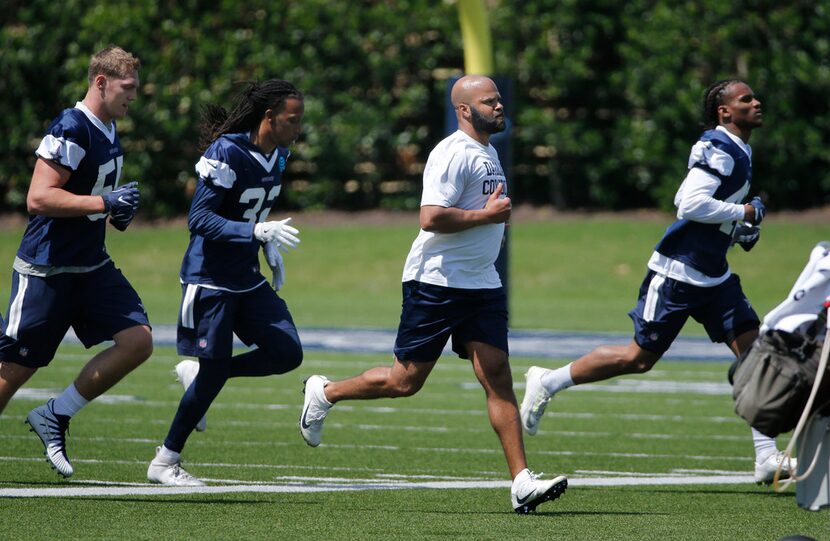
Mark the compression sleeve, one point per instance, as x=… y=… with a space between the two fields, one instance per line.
x=695 y=200
x=205 y=221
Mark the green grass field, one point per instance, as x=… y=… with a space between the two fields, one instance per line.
x=607 y=435
x=568 y=274
x=664 y=459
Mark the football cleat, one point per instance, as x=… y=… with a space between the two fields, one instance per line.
x=186 y=372
x=529 y=491
x=51 y=429
x=315 y=409
x=765 y=471
x=535 y=400
x=171 y=475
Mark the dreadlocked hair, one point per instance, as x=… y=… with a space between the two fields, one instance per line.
x=248 y=110
x=712 y=99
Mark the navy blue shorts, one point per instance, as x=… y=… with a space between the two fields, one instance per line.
x=209 y=318
x=665 y=304
x=97 y=305
x=432 y=314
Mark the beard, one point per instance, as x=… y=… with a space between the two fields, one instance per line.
x=487 y=125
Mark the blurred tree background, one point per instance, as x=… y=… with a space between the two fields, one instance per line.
x=607 y=94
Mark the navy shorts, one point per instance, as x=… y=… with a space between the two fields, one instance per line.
x=97 y=305
x=432 y=314
x=209 y=318
x=665 y=304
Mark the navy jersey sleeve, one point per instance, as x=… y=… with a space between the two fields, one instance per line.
x=216 y=181
x=205 y=221
x=66 y=141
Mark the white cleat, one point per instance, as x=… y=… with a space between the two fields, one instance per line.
x=535 y=400
x=315 y=409
x=51 y=429
x=528 y=491
x=170 y=475
x=765 y=471
x=186 y=372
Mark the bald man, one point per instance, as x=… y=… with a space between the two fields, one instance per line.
x=451 y=289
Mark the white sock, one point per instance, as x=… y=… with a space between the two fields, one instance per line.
x=166 y=456
x=69 y=402
x=764 y=446
x=556 y=380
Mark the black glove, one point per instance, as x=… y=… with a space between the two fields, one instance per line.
x=746 y=236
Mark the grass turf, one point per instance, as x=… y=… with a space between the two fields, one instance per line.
x=569 y=274
x=607 y=431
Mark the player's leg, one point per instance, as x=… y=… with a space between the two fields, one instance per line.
x=661 y=311
x=131 y=347
x=213 y=373
x=403 y=378
x=426 y=323
x=263 y=319
x=40 y=309
x=605 y=362
x=767 y=456
x=742 y=342
x=205 y=331
x=12 y=377
x=729 y=317
x=108 y=309
x=492 y=368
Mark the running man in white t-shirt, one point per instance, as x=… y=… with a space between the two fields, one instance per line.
x=451 y=289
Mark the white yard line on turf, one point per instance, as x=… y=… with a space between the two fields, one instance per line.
x=351 y=485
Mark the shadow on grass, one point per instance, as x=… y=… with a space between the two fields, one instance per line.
x=761 y=493
x=594 y=514
x=167 y=501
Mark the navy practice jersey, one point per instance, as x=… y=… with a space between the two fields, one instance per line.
x=79 y=141
x=236 y=189
x=704 y=246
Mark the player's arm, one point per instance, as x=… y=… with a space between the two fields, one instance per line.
x=439 y=219
x=695 y=200
x=204 y=219
x=47 y=197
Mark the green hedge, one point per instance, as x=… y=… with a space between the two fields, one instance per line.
x=607 y=94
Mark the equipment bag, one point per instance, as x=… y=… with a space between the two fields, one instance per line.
x=773 y=379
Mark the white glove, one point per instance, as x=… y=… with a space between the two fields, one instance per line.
x=274 y=259
x=278 y=231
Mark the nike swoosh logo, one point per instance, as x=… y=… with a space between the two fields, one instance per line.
x=302 y=421
x=520 y=501
x=121 y=200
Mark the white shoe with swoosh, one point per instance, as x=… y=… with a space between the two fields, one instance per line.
x=315 y=409
x=529 y=490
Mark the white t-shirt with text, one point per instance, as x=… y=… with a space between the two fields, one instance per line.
x=462 y=173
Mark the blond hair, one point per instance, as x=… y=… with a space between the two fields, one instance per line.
x=112 y=62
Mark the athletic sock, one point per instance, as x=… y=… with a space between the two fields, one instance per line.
x=764 y=446
x=69 y=402
x=556 y=380
x=166 y=456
